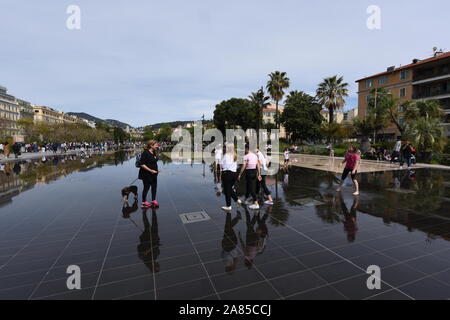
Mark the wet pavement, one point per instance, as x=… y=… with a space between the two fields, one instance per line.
x=313 y=243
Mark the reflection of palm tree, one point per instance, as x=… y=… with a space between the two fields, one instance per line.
x=230 y=252
x=148 y=248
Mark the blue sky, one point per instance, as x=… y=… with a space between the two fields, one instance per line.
x=145 y=61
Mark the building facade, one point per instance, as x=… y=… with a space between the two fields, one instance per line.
x=269 y=114
x=341 y=116
x=49 y=115
x=9 y=114
x=420 y=80
x=26 y=109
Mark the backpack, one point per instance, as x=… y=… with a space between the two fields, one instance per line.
x=138 y=162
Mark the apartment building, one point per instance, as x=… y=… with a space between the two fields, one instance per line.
x=419 y=80
x=269 y=114
x=340 y=116
x=9 y=114
x=49 y=115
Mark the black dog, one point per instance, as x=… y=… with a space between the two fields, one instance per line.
x=127 y=190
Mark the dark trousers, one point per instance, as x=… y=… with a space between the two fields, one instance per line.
x=228 y=180
x=406 y=159
x=262 y=184
x=250 y=177
x=149 y=183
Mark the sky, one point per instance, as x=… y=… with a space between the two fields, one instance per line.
x=146 y=61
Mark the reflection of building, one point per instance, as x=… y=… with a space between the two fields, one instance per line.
x=269 y=114
x=49 y=115
x=341 y=116
x=420 y=80
x=9 y=114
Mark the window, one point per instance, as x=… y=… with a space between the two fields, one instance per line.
x=382 y=80
x=404 y=74
x=369 y=83
x=368 y=98
x=402 y=92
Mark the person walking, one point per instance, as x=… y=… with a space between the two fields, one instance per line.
x=261 y=183
x=218 y=154
x=396 y=151
x=148 y=173
x=229 y=171
x=252 y=173
x=406 y=155
x=352 y=164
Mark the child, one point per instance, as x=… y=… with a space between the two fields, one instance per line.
x=352 y=163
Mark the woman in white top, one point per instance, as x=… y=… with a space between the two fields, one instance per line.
x=261 y=183
x=229 y=169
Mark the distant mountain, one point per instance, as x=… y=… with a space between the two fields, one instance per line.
x=110 y=122
x=85 y=116
x=173 y=124
x=116 y=123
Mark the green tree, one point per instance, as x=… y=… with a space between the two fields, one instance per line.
x=301 y=117
x=148 y=133
x=260 y=101
x=377 y=110
x=165 y=133
x=275 y=86
x=119 y=135
x=331 y=94
x=428 y=109
x=235 y=113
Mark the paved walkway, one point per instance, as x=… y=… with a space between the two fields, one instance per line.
x=326 y=163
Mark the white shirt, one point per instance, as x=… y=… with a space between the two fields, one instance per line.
x=218 y=154
x=263 y=161
x=398 y=146
x=286 y=155
x=228 y=163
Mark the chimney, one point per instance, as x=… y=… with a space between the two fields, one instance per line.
x=437 y=52
x=391 y=69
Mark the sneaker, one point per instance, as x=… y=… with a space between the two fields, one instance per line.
x=155 y=204
x=269 y=203
x=227 y=208
x=239 y=202
x=146 y=204
x=254 y=207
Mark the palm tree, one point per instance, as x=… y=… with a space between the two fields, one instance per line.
x=331 y=93
x=260 y=101
x=428 y=109
x=277 y=83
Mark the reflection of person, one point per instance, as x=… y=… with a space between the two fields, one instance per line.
x=148 y=248
x=350 y=224
x=250 y=247
x=262 y=232
x=230 y=253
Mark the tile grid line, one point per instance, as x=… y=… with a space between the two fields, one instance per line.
x=256 y=268
x=193 y=245
x=62 y=252
x=106 y=255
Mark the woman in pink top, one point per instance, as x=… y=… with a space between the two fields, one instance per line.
x=252 y=172
x=352 y=162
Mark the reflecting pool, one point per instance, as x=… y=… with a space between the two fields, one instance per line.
x=313 y=243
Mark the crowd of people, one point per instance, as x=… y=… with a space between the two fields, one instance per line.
x=18 y=148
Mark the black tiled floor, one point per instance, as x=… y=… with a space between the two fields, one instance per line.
x=297 y=252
